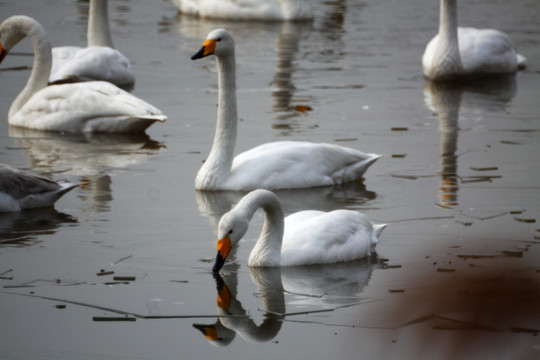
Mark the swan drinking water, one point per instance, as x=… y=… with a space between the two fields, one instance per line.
x=456 y=53
x=98 y=61
x=21 y=190
x=303 y=238
x=95 y=106
x=276 y=165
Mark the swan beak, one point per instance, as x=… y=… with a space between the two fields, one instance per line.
x=224 y=247
x=207 y=49
x=209 y=331
x=3 y=53
x=224 y=298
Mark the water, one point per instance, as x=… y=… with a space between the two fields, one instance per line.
x=457 y=271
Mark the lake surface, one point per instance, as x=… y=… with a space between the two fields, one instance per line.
x=458 y=269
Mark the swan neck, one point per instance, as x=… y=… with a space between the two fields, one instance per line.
x=98 y=32
x=219 y=161
x=267 y=250
x=41 y=68
x=448 y=23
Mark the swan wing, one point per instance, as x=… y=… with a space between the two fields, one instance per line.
x=315 y=237
x=487 y=51
x=289 y=164
x=95 y=106
x=73 y=64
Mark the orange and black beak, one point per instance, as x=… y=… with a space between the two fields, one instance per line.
x=224 y=247
x=207 y=49
x=209 y=331
x=3 y=52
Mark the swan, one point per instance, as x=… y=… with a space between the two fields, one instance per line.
x=21 y=190
x=267 y=10
x=276 y=165
x=468 y=52
x=95 y=106
x=303 y=238
x=98 y=61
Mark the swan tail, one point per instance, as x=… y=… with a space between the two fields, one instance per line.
x=377 y=230
x=46 y=199
x=354 y=171
x=65 y=187
x=154 y=118
x=521 y=62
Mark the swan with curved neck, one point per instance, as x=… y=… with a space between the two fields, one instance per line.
x=303 y=238
x=95 y=106
x=266 y=10
x=456 y=53
x=98 y=61
x=21 y=190
x=276 y=165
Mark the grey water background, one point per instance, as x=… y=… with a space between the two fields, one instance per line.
x=457 y=272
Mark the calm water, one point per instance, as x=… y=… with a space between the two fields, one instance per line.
x=458 y=271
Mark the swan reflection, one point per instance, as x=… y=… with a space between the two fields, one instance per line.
x=90 y=157
x=213 y=204
x=446 y=100
x=234 y=319
x=313 y=288
x=26 y=227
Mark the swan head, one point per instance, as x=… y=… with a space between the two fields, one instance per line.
x=11 y=32
x=218 y=42
x=231 y=228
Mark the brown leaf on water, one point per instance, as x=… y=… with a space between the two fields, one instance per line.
x=303 y=108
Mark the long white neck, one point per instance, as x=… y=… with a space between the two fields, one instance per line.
x=448 y=33
x=217 y=166
x=98 y=32
x=41 y=69
x=267 y=250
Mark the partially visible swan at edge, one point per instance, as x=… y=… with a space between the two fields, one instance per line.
x=98 y=61
x=95 y=106
x=275 y=165
x=21 y=190
x=303 y=238
x=268 y=10
x=456 y=53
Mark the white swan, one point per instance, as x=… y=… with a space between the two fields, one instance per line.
x=95 y=106
x=468 y=52
x=21 y=190
x=276 y=165
x=303 y=238
x=98 y=61
x=267 y=10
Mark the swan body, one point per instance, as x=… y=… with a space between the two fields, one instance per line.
x=276 y=165
x=21 y=190
x=98 y=61
x=468 y=52
x=95 y=106
x=303 y=238
x=268 y=10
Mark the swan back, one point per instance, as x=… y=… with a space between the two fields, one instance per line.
x=266 y=10
x=317 y=237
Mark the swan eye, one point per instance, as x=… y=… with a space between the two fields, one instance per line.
x=230 y=232
x=219 y=39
